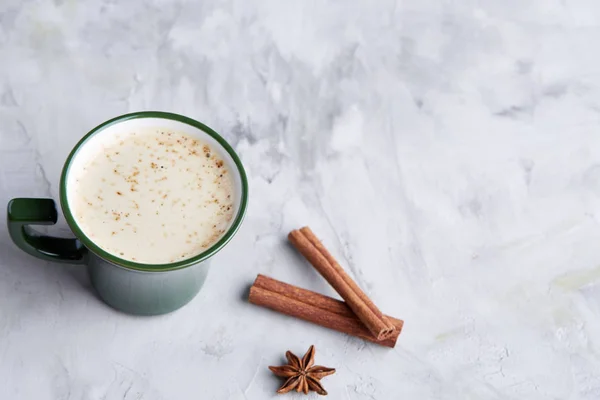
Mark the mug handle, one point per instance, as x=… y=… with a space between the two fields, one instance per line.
x=24 y=212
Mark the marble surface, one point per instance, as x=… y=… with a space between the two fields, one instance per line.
x=448 y=152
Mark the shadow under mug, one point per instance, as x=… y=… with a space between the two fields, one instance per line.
x=135 y=288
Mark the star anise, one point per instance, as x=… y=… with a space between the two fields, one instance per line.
x=301 y=374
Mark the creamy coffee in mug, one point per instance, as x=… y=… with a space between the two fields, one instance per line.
x=153 y=195
x=150 y=197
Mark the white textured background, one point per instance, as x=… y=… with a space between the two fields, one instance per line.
x=447 y=151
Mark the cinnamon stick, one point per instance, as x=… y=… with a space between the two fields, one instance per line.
x=313 y=250
x=316 y=308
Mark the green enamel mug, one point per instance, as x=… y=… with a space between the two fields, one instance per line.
x=131 y=287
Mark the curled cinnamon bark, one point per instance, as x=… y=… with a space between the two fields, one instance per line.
x=313 y=250
x=316 y=308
